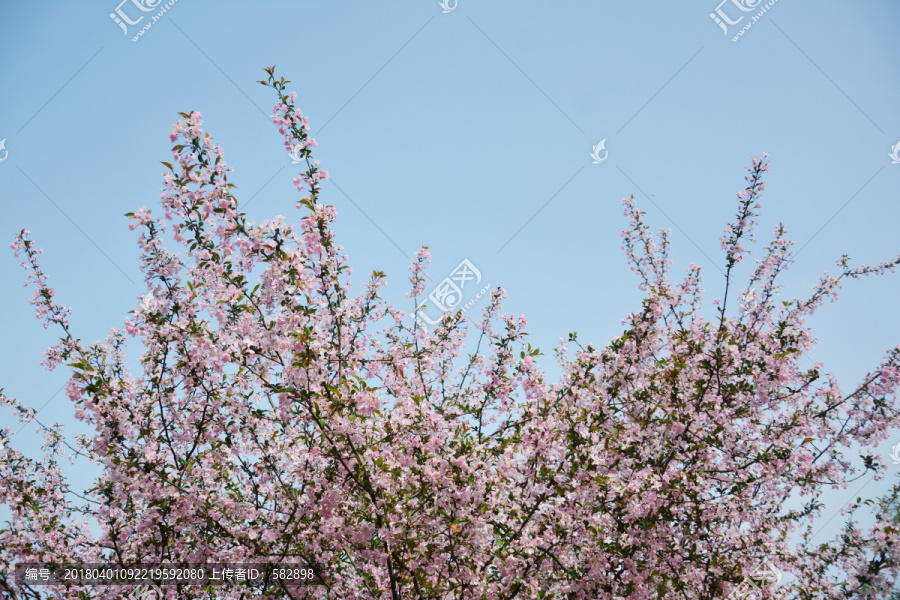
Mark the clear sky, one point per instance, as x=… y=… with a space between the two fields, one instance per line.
x=469 y=131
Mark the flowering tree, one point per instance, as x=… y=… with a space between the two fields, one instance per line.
x=278 y=418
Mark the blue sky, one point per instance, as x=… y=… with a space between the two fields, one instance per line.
x=469 y=132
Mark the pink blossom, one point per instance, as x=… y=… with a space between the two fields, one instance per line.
x=273 y=413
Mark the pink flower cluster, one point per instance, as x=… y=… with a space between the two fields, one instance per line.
x=294 y=127
x=276 y=417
